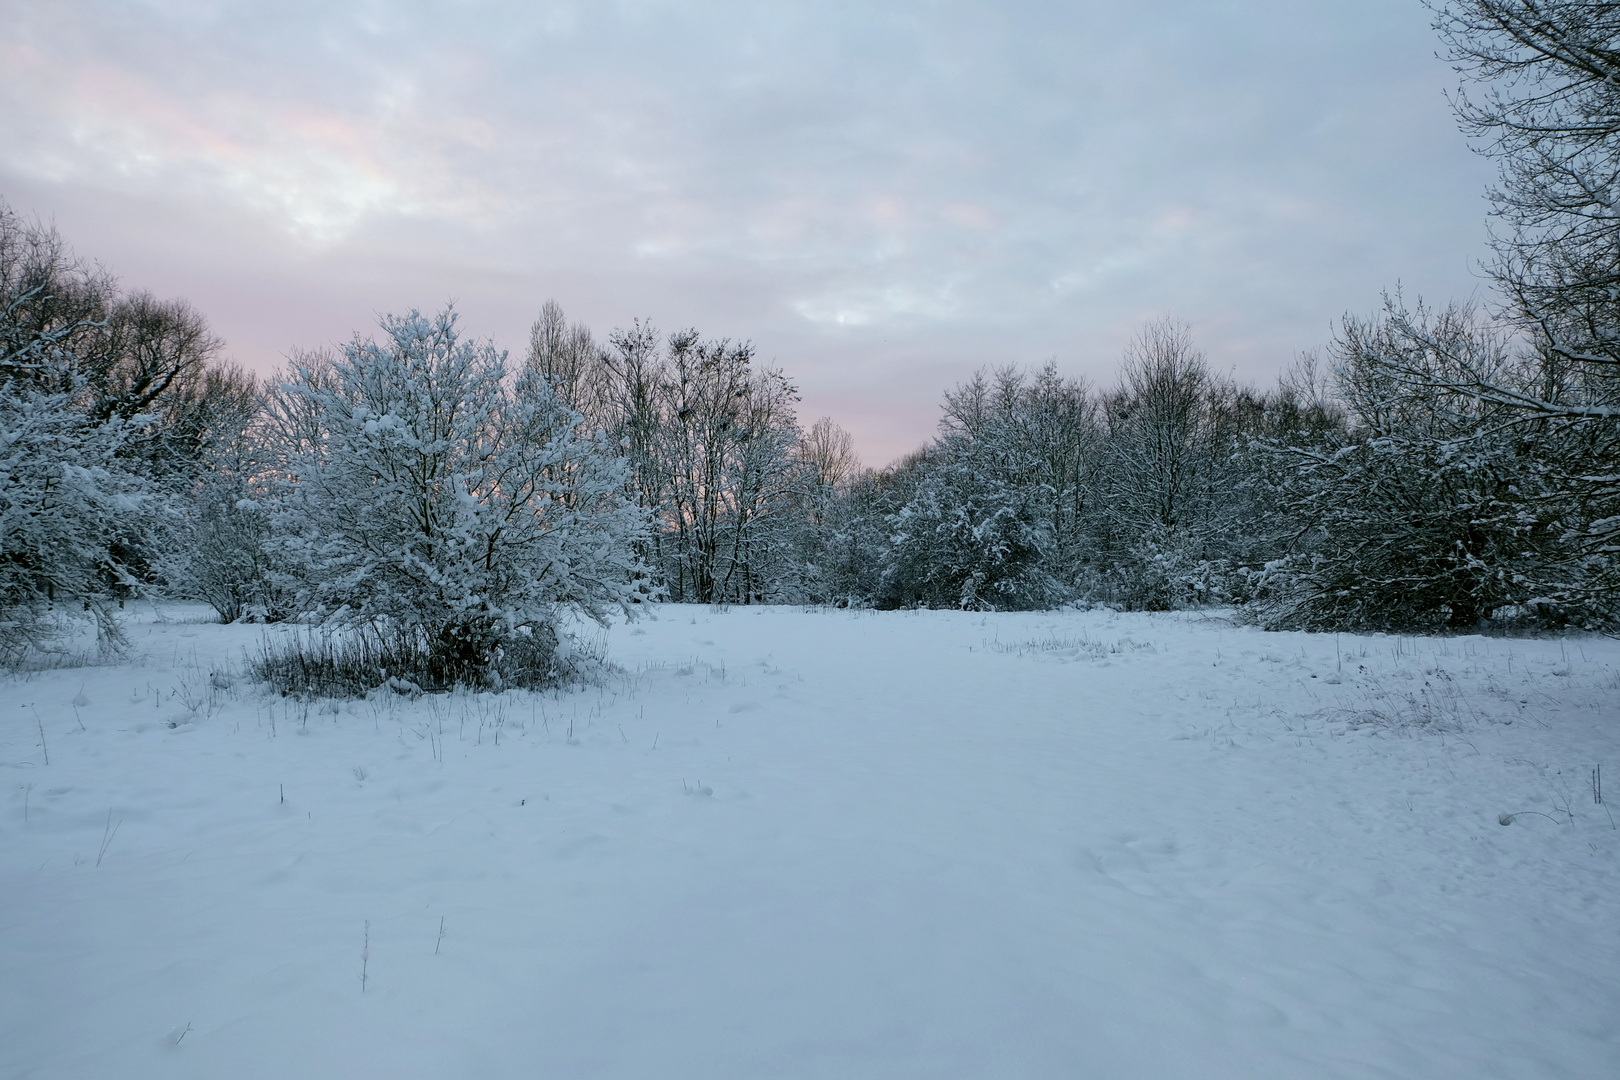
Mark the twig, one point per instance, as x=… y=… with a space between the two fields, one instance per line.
x=107 y=835
x=1597 y=794
x=42 y=744
x=439 y=942
x=365 y=957
x=1512 y=817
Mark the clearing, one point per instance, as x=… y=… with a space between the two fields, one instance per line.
x=783 y=843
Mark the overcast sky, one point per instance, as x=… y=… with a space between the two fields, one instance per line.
x=882 y=196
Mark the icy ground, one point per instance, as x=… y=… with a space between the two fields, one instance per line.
x=825 y=844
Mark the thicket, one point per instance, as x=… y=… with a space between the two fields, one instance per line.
x=1432 y=469
x=448 y=513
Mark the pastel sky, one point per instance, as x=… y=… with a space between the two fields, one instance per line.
x=882 y=196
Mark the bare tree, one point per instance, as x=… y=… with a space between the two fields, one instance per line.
x=727 y=442
x=1549 y=112
x=1160 y=432
x=633 y=400
x=828 y=452
x=571 y=360
x=152 y=348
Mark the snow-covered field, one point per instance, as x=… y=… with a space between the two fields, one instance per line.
x=824 y=844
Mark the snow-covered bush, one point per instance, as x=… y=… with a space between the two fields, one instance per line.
x=970 y=536
x=425 y=497
x=1433 y=507
x=223 y=555
x=1167 y=571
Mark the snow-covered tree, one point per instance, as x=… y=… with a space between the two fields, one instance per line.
x=425 y=494
x=826 y=468
x=969 y=536
x=1161 y=433
x=1548 y=110
x=65 y=502
x=1546 y=106
x=224 y=558
x=1164 y=491
x=978 y=524
x=222 y=554
x=1431 y=507
x=67 y=497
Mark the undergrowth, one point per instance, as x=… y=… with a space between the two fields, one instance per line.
x=1072 y=646
x=355 y=663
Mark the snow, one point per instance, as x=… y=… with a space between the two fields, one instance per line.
x=784 y=843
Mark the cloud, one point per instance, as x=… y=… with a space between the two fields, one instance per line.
x=924 y=185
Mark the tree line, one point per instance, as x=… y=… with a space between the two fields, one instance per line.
x=1431 y=468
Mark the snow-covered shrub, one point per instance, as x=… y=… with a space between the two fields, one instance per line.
x=968 y=537
x=425 y=497
x=223 y=554
x=1167 y=571
x=1434 y=507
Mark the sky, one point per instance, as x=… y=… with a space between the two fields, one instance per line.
x=882 y=197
